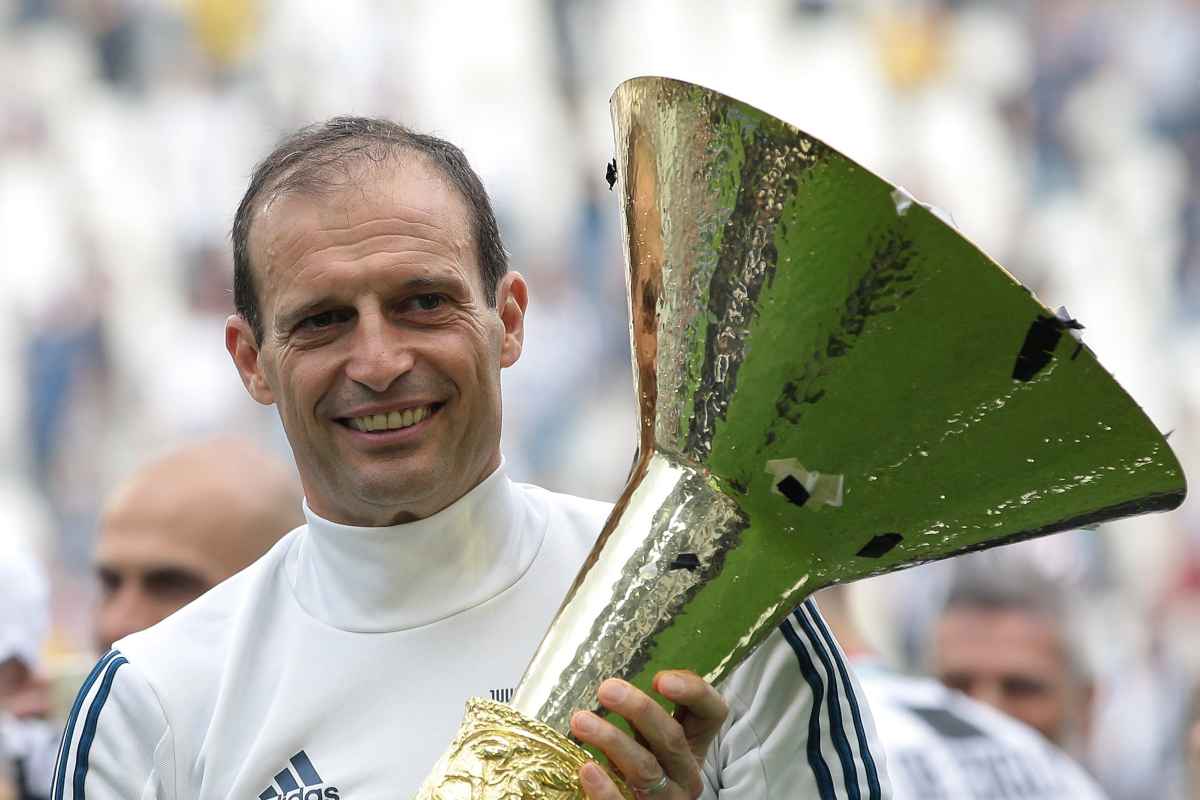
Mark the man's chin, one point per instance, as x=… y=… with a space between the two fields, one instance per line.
x=381 y=491
x=397 y=498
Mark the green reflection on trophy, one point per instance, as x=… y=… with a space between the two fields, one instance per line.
x=832 y=383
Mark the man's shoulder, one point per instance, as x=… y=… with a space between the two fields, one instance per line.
x=918 y=716
x=190 y=645
x=946 y=712
x=939 y=711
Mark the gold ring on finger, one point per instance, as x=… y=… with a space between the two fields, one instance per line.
x=656 y=787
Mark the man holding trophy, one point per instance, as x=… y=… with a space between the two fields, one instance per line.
x=376 y=311
x=796 y=430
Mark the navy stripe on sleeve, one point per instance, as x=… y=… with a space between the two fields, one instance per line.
x=60 y=770
x=837 y=731
x=816 y=761
x=864 y=748
x=89 y=726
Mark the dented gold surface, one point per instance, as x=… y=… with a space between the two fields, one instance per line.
x=500 y=754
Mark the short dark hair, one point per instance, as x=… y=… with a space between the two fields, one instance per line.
x=1002 y=581
x=991 y=582
x=313 y=158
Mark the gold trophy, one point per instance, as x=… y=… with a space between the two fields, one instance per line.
x=832 y=383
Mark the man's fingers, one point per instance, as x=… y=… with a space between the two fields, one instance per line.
x=661 y=733
x=668 y=750
x=596 y=784
x=702 y=710
x=640 y=767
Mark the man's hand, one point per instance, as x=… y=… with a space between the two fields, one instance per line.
x=664 y=761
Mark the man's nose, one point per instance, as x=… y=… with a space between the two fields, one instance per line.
x=380 y=353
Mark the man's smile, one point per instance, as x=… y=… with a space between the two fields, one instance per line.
x=395 y=419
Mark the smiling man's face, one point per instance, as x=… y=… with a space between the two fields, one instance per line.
x=379 y=346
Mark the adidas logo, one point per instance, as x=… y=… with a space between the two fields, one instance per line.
x=303 y=784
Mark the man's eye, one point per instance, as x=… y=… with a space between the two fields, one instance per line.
x=170 y=582
x=1024 y=686
x=957 y=681
x=428 y=302
x=324 y=320
x=110 y=581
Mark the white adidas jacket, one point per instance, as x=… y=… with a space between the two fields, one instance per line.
x=336 y=668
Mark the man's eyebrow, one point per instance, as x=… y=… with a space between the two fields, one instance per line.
x=420 y=284
x=424 y=282
x=165 y=577
x=291 y=316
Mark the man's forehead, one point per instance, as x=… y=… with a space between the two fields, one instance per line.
x=413 y=192
x=144 y=544
x=167 y=515
x=998 y=632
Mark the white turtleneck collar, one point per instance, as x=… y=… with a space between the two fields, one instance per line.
x=373 y=580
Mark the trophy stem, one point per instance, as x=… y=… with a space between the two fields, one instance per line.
x=667 y=537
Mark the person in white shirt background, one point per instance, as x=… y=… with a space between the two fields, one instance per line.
x=1006 y=636
x=940 y=743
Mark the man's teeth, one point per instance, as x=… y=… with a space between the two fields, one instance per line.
x=391 y=421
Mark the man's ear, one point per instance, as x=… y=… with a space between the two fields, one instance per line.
x=243 y=347
x=512 y=298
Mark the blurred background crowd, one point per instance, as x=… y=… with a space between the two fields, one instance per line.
x=1063 y=136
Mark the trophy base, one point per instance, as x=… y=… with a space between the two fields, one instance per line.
x=500 y=754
